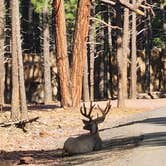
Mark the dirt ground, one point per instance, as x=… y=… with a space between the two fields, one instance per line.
x=43 y=139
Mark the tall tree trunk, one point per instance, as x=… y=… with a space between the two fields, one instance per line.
x=8 y=68
x=164 y=26
x=92 y=52
x=15 y=114
x=102 y=61
x=121 y=99
x=107 y=53
x=62 y=58
x=148 y=52
x=47 y=72
x=85 y=80
x=2 y=39
x=164 y=50
x=125 y=51
x=110 y=70
x=19 y=107
x=133 y=57
x=79 y=48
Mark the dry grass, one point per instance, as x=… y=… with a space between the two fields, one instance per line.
x=55 y=125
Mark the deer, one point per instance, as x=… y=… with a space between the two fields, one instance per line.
x=87 y=142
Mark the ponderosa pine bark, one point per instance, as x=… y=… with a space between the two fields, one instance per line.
x=2 y=37
x=110 y=68
x=92 y=52
x=19 y=107
x=85 y=81
x=133 y=57
x=163 y=7
x=61 y=54
x=125 y=51
x=121 y=99
x=148 y=36
x=79 y=49
x=46 y=52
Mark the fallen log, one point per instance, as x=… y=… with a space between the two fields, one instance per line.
x=18 y=123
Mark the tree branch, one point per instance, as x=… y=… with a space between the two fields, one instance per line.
x=103 y=22
x=132 y=7
x=109 y=2
x=128 y=5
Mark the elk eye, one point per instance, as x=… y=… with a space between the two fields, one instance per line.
x=85 y=121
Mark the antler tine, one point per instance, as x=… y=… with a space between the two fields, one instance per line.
x=83 y=110
x=107 y=108
x=104 y=112
x=91 y=107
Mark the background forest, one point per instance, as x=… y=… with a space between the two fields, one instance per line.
x=71 y=50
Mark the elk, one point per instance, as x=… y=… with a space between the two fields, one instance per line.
x=91 y=141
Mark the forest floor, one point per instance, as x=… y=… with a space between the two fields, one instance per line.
x=42 y=142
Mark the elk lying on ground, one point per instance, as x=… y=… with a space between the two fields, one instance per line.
x=91 y=141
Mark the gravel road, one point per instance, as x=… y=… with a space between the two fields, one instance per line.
x=137 y=141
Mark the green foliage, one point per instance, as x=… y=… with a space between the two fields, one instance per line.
x=70 y=9
x=158 y=42
x=70 y=14
x=157 y=28
x=39 y=5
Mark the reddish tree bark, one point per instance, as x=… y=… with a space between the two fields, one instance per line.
x=62 y=58
x=79 y=49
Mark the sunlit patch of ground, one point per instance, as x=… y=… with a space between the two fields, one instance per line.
x=56 y=124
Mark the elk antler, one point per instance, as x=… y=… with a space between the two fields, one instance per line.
x=104 y=112
x=84 y=111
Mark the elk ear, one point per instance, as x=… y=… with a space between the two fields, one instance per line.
x=85 y=121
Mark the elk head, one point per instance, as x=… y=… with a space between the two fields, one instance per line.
x=92 y=124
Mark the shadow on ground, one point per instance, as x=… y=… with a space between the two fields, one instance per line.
x=35 y=107
x=154 y=139
x=157 y=120
x=55 y=157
